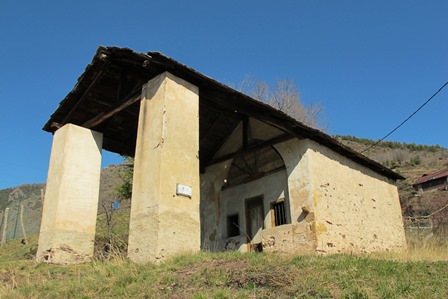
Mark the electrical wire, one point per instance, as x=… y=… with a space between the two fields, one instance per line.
x=402 y=123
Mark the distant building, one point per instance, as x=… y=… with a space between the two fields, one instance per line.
x=431 y=181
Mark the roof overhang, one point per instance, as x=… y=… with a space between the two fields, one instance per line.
x=106 y=99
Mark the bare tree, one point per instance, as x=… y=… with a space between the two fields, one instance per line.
x=285 y=97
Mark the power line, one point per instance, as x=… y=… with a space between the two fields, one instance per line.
x=415 y=112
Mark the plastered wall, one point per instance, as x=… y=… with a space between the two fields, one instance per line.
x=210 y=205
x=298 y=237
x=271 y=187
x=334 y=205
x=164 y=222
x=356 y=209
x=71 y=198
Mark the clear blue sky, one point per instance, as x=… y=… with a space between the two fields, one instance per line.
x=371 y=63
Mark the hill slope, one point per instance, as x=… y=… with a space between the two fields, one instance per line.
x=410 y=160
x=29 y=195
x=226 y=275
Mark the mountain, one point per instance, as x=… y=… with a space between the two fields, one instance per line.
x=29 y=195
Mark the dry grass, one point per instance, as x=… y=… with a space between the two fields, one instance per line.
x=420 y=249
x=422 y=272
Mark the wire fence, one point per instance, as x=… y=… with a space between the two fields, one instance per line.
x=18 y=222
x=429 y=227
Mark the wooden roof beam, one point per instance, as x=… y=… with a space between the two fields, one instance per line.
x=211 y=129
x=124 y=148
x=102 y=57
x=253 y=148
x=133 y=97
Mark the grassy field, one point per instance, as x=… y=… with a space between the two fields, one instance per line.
x=422 y=272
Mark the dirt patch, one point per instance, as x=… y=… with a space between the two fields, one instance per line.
x=223 y=265
x=237 y=275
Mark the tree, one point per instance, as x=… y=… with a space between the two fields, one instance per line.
x=285 y=97
x=124 y=190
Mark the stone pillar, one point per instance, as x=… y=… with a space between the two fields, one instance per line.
x=69 y=213
x=165 y=195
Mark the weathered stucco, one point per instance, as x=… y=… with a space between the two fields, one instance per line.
x=356 y=209
x=67 y=230
x=271 y=187
x=211 y=201
x=296 y=159
x=217 y=204
x=257 y=130
x=323 y=201
x=333 y=204
x=164 y=222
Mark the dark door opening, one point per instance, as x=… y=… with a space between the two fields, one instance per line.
x=254 y=222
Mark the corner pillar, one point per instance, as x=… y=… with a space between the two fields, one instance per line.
x=165 y=196
x=70 y=208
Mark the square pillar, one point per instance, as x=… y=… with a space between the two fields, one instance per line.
x=70 y=208
x=165 y=195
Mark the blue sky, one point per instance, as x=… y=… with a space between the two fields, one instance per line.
x=370 y=63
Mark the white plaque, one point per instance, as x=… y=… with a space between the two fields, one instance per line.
x=183 y=190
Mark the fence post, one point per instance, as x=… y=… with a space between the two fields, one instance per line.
x=21 y=223
x=17 y=219
x=5 y=224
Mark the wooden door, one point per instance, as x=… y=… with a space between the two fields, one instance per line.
x=254 y=219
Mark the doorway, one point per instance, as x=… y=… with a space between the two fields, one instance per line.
x=254 y=222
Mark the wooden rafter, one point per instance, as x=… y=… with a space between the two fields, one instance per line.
x=256 y=147
x=212 y=128
x=83 y=97
x=245 y=132
x=98 y=86
x=129 y=100
x=218 y=145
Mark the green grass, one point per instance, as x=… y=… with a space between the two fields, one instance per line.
x=224 y=275
x=421 y=272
